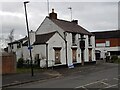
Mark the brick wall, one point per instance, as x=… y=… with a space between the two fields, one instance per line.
x=114 y=42
x=8 y=63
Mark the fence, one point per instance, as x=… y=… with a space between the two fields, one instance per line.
x=8 y=61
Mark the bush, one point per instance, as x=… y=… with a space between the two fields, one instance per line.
x=20 y=62
x=114 y=59
x=117 y=61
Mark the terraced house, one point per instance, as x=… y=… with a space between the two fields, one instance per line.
x=60 y=42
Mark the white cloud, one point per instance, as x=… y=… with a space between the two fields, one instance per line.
x=91 y=15
x=61 y=0
x=11 y=14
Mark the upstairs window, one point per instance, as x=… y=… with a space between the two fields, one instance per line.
x=18 y=45
x=82 y=36
x=89 y=40
x=11 y=46
x=73 y=38
x=107 y=43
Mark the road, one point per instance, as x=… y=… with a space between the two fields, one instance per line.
x=102 y=76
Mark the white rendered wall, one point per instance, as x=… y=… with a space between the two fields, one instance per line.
x=9 y=50
x=86 y=55
x=78 y=48
x=48 y=26
x=93 y=48
x=39 y=49
x=69 y=50
x=56 y=41
x=14 y=47
x=86 y=52
x=18 y=51
x=25 y=53
x=32 y=37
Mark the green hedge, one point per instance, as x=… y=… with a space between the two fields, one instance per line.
x=115 y=59
x=20 y=62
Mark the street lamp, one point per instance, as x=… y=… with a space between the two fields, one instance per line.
x=29 y=46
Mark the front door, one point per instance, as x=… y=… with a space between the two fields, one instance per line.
x=57 y=56
x=82 y=56
x=74 y=54
x=90 y=54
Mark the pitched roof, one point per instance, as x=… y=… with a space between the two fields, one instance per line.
x=17 y=41
x=25 y=43
x=70 y=26
x=43 y=38
x=107 y=34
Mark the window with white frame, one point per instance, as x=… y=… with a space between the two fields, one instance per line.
x=73 y=38
x=89 y=40
x=107 y=43
x=19 y=45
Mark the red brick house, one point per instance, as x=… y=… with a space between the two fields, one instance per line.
x=107 y=43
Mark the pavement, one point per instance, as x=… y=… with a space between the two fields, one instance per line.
x=17 y=79
x=22 y=78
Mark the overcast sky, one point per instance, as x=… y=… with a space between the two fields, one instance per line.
x=93 y=16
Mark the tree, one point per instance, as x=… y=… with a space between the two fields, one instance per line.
x=11 y=35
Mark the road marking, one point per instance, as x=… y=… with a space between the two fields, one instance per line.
x=84 y=88
x=111 y=86
x=105 y=83
x=116 y=78
x=91 y=83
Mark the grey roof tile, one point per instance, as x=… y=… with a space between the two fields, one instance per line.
x=68 y=26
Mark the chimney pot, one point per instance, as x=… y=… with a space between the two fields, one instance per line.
x=53 y=10
x=53 y=15
x=75 y=21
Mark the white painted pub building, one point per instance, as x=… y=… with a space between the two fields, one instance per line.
x=59 y=42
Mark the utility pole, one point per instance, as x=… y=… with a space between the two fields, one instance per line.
x=29 y=45
x=48 y=6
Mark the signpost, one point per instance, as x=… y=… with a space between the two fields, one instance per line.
x=29 y=46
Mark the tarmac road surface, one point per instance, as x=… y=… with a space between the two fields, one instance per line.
x=97 y=76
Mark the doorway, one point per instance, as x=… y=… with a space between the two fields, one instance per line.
x=90 y=54
x=57 y=55
x=74 y=53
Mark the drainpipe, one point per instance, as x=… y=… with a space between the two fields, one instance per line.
x=66 y=51
x=46 y=55
x=66 y=47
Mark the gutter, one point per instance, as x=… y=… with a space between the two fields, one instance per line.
x=66 y=52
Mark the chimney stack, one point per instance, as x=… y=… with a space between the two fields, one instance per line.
x=53 y=15
x=75 y=21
